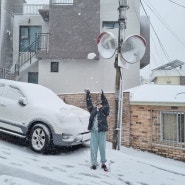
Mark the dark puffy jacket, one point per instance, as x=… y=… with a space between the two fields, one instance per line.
x=101 y=114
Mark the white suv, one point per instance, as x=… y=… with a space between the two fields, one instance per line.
x=36 y=113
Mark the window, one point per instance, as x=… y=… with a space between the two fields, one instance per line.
x=110 y=24
x=54 y=67
x=12 y=93
x=28 y=37
x=181 y=131
x=33 y=77
x=173 y=126
x=24 y=33
x=168 y=82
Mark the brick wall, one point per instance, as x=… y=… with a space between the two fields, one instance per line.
x=79 y=100
x=141 y=131
x=136 y=126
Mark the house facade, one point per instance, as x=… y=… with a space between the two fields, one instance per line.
x=171 y=73
x=154 y=120
x=51 y=45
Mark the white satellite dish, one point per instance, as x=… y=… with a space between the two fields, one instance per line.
x=107 y=44
x=133 y=49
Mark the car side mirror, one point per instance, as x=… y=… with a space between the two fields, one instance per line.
x=22 y=101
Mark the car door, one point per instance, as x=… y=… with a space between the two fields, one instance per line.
x=12 y=112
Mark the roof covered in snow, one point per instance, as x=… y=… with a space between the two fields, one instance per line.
x=157 y=94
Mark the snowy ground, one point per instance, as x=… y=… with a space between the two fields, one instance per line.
x=20 y=166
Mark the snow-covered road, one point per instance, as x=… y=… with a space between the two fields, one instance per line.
x=20 y=166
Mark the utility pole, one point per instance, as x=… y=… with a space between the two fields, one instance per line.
x=123 y=6
x=129 y=50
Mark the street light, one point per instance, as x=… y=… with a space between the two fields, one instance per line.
x=129 y=50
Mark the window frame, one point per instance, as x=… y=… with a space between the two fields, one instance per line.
x=54 y=67
x=106 y=24
x=178 y=122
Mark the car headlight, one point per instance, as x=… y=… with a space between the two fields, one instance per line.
x=67 y=137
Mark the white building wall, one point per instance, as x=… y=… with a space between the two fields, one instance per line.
x=76 y=75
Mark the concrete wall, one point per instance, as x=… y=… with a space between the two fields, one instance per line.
x=173 y=80
x=74 y=29
x=145 y=32
x=76 y=75
x=6 y=32
x=6 y=42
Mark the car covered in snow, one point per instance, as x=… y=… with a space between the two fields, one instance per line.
x=36 y=113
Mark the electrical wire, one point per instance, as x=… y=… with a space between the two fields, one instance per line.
x=177 y=3
x=164 y=23
x=147 y=21
x=167 y=27
x=157 y=37
x=159 y=41
x=154 y=11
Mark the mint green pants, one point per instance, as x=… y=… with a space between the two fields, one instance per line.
x=98 y=141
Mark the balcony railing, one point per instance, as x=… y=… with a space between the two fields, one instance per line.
x=41 y=43
x=6 y=74
x=28 y=9
x=62 y=2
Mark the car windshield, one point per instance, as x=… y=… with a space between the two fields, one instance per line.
x=39 y=94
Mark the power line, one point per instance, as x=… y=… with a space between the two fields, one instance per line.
x=160 y=43
x=166 y=25
x=148 y=22
x=177 y=4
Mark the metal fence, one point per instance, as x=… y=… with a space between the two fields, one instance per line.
x=42 y=41
x=28 y=9
x=62 y=2
x=6 y=74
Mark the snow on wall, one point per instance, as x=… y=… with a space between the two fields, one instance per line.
x=157 y=93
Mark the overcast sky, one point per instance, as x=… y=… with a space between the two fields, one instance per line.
x=167 y=20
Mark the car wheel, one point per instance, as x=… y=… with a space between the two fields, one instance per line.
x=40 y=138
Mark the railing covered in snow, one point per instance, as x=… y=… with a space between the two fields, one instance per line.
x=28 y=9
x=41 y=43
x=6 y=74
x=62 y=2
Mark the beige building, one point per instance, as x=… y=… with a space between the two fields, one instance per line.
x=171 y=73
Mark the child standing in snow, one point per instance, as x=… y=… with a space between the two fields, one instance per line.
x=98 y=127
